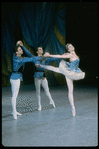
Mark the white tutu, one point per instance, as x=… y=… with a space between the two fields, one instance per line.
x=71 y=74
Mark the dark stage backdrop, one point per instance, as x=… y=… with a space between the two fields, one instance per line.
x=36 y=24
x=82 y=31
x=50 y=25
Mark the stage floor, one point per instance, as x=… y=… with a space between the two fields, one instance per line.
x=51 y=126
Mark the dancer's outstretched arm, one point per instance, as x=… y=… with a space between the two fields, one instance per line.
x=65 y=55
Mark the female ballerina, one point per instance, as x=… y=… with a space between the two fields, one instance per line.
x=70 y=69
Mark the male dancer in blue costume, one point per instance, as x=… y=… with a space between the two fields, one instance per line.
x=39 y=75
x=16 y=76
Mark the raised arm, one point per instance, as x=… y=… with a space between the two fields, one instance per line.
x=24 y=49
x=27 y=52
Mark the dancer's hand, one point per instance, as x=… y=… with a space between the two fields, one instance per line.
x=20 y=43
x=47 y=54
x=38 y=65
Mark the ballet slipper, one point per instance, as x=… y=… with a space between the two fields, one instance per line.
x=39 y=108
x=18 y=113
x=52 y=102
x=73 y=112
x=15 y=116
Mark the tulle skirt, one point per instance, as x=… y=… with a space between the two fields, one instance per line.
x=71 y=74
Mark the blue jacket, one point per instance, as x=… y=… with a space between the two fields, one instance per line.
x=18 y=63
x=39 y=72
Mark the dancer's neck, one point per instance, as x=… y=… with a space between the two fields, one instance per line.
x=18 y=55
x=40 y=55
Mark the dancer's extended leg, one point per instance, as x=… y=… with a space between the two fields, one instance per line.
x=46 y=88
x=51 y=68
x=70 y=94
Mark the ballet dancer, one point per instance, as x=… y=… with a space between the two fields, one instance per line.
x=70 y=69
x=39 y=76
x=16 y=76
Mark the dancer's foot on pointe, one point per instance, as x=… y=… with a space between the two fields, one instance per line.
x=73 y=111
x=52 y=102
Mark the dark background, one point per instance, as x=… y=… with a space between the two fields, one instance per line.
x=82 y=32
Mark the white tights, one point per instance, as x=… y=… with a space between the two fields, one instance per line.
x=70 y=91
x=15 y=85
x=44 y=83
x=69 y=83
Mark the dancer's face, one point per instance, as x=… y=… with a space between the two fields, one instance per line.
x=40 y=51
x=71 y=47
x=19 y=51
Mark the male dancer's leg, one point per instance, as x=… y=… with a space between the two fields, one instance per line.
x=38 y=85
x=46 y=88
x=70 y=94
x=15 y=85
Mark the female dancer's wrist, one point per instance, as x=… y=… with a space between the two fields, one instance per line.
x=50 y=55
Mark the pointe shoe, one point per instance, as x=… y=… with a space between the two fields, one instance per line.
x=18 y=113
x=39 y=108
x=52 y=102
x=73 y=112
x=15 y=115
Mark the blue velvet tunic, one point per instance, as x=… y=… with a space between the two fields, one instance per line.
x=39 y=72
x=18 y=63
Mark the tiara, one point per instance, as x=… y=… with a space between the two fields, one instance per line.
x=67 y=45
